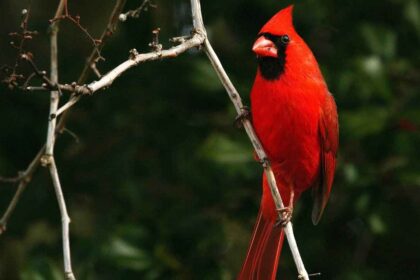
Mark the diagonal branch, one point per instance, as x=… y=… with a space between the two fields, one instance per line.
x=236 y=100
x=135 y=59
x=25 y=178
x=15 y=179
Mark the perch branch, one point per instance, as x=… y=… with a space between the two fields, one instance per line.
x=237 y=102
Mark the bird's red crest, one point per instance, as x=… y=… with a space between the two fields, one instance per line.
x=280 y=23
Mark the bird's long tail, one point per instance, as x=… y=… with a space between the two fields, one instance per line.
x=267 y=239
x=264 y=252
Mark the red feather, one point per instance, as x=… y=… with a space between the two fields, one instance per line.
x=295 y=118
x=266 y=242
x=328 y=134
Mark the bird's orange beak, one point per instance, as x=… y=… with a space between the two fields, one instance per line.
x=264 y=47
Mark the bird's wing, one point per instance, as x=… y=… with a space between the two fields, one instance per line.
x=328 y=136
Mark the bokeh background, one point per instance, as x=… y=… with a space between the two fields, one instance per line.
x=161 y=185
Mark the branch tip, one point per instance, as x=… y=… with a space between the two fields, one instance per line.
x=133 y=54
x=156 y=47
x=122 y=17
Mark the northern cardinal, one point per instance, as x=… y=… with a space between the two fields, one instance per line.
x=295 y=117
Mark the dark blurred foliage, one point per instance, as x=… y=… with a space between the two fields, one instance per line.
x=162 y=186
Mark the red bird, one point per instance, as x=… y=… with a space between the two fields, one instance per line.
x=295 y=117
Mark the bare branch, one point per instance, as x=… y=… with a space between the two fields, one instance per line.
x=41 y=74
x=11 y=207
x=15 y=179
x=197 y=16
x=25 y=177
x=65 y=220
x=237 y=102
x=107 y=33
x=136 y=13
x=18 y=42
x=55 y=96
x=63 y=14
x=135 y=59
x=72 y=134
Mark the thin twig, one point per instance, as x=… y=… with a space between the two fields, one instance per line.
x=15 y=179
x=75 y=20
x=22 y=36
x=236 y=100
x=106 y=34
x=41 y=74
x=24 y=181
x=136 y=13
x=72 y=134
x=18 y=42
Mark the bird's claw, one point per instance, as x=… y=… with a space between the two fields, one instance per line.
x=286 y=216
x=264 y=162
x=245 y=114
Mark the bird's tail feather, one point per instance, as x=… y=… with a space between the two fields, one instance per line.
x=264 y=251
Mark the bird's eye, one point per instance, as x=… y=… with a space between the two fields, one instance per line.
x=285 y=39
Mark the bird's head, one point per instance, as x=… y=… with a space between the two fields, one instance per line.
x=273 y=42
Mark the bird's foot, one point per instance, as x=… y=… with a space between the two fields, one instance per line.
x=286 y=216
x=264 y=162
x=245 y=114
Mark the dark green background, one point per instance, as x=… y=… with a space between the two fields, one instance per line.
x=162 y=186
